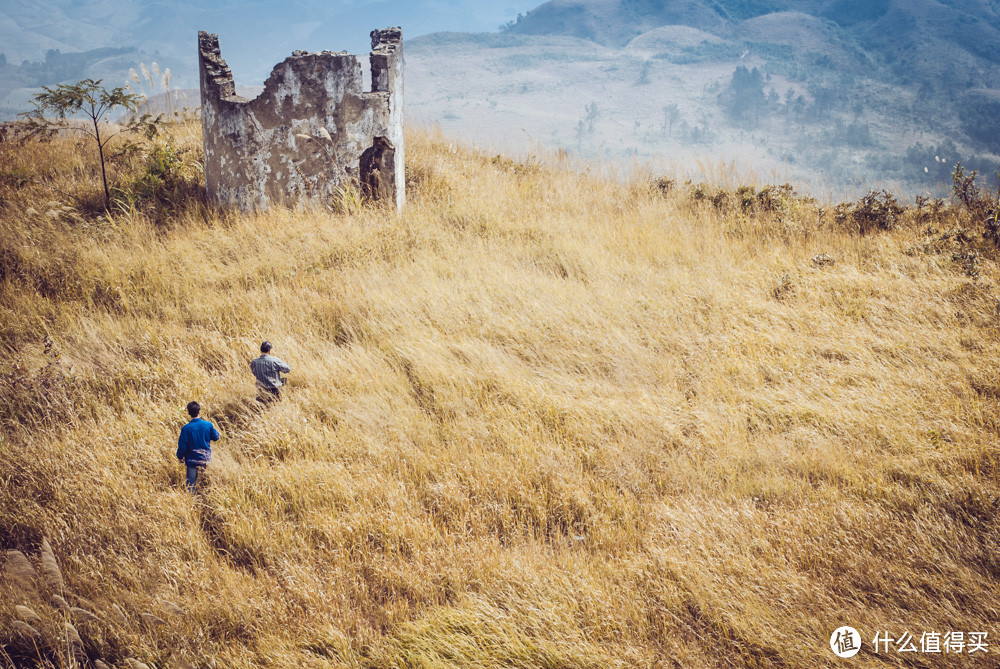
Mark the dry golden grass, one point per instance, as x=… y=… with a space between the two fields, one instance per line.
x=540 y=419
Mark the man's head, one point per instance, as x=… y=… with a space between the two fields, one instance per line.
x=194 y=409
x=265 y=347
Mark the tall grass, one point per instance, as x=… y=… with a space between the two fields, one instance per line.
x=539 y=419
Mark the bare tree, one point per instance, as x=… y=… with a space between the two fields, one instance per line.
x=89 y=99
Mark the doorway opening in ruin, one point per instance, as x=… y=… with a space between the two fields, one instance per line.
x=378 y=170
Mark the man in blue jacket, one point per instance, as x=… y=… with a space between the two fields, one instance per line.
x=194 y=446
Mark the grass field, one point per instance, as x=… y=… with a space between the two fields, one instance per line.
x=539 y=419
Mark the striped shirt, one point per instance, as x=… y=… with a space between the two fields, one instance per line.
x=266 y=369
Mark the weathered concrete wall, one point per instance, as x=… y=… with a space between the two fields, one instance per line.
x=310 y=132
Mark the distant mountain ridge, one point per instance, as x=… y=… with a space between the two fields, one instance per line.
x=917 y=40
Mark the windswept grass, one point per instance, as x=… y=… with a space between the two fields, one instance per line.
x=540 y=419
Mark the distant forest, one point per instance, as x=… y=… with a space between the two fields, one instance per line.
x=59 y=67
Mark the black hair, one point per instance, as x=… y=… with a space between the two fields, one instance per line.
x=194 y=409
x=265 y=347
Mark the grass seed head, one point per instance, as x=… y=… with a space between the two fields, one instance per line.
x=171 y=608
x=119 y=614
x=20 y=571
x=152 y=620
x=24 y=628
x=50 y=568
x=83 y=615
x=72 y=636
x=28 y=614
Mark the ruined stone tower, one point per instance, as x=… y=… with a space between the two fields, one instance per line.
x=311 y=132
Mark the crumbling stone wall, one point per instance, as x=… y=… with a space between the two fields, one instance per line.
x=310 y=132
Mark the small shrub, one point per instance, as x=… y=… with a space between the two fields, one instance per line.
x=775 y=198
x=167 y=177
x=929 y=209
x=967 y=192
x=721 y=200
x=529 y=165
x=663 y=185
x=745 y=197
x=876 y=211
x=969 y=262
x=982 y=205
x=749 y=200
x=992 y=228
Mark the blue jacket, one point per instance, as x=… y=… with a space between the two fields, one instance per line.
x=193 y=446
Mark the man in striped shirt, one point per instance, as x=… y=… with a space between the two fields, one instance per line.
x=267 y=370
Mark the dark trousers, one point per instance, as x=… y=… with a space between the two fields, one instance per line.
x=268 y=395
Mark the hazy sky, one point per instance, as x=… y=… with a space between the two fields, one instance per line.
x=251 y=47
x=254 y=34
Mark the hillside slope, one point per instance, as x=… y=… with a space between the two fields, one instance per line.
x=934 y=42
x=540 y=419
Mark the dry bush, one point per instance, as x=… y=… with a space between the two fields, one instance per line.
x=876 y=211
